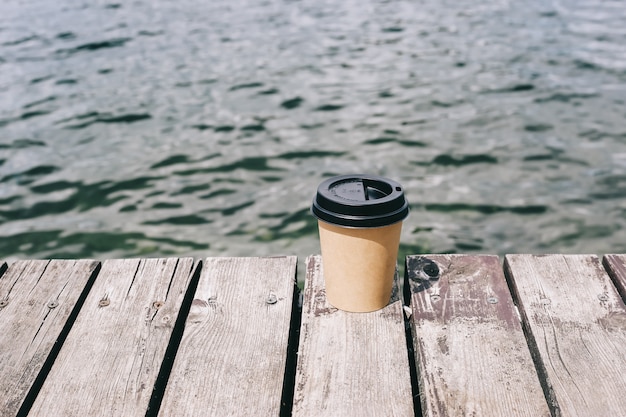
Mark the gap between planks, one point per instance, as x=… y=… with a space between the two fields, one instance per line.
x=350 y=364
x=234 y=350
x=575 y=322
x=471 y=354
x=40 y=301
x=113 y=353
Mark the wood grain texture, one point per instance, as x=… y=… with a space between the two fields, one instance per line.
x=111 y=357
x=37 y=299
x=576 y=323
x=471 y=354
x=350 y=364
x=616 y=267
x=232 y=357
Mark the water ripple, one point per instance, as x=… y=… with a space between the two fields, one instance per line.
x=203 y=128
x=107 y=118
x=94 y=46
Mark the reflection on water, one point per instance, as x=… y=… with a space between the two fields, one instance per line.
x=203 y=128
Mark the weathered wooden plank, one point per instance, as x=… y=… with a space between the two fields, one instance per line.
x=110 y=360
x=616 y=267
x=471 y=354
x=576 y=323
x=233 y=353
x=37 y=301
x=350 y=364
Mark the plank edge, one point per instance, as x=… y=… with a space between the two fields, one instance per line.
x=173 y=344
x=32 y=393
x=615 y=266
x=531 y=341
x=293 y=343
x=411 y=336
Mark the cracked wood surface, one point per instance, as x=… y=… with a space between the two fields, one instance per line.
x=78 y=338
x=233 y=353
x=576 y=323
x=36 y=301
x=350 y=364
x=112 y=355
x=470 y=351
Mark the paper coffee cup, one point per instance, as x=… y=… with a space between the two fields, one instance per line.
x=360 y=219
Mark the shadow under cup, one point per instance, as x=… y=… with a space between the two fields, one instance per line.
x=360 y=220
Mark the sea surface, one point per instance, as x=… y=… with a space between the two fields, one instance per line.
x=202 y=128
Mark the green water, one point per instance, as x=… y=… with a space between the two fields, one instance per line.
x=195 y=128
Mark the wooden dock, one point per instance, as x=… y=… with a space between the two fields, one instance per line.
x=464 y=335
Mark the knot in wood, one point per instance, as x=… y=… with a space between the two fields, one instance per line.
x=3 y=303
x=420 y=269
x=157 y=304
x=431 y=269
x=53 y=304
x=104 y=303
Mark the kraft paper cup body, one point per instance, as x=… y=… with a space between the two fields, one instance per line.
x=359 y=265
x=360 y=220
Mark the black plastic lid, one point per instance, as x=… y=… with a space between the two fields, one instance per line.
x=360 y=201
